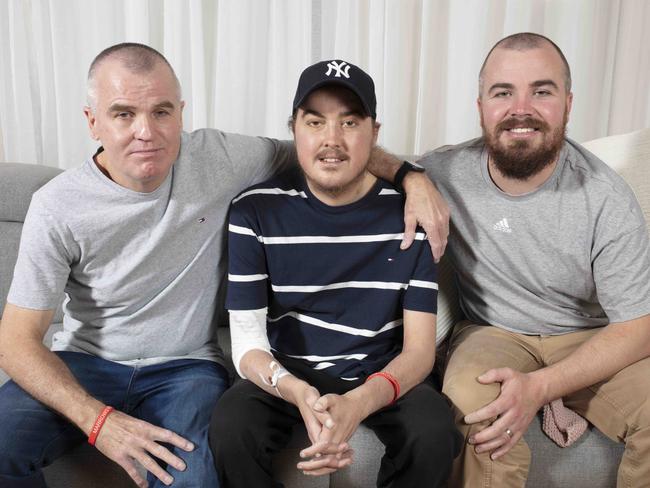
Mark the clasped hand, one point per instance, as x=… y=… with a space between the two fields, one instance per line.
x=339 y=417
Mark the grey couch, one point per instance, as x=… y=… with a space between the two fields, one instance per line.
x=591 y=462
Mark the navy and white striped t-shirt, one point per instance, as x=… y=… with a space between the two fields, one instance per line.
x=334 y=278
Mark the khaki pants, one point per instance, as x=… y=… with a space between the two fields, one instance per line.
x=618 y=407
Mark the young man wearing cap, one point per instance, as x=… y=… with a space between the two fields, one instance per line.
x=332 y=325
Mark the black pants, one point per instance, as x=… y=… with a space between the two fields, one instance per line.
x=249 y=425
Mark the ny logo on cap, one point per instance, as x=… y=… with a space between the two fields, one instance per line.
x=341 y=69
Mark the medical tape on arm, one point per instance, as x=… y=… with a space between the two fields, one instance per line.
x=247 y=332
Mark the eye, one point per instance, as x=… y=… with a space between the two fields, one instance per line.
x=502 y=94
x=315 y=123
x=349 y=123
x=161 y=113
x=542 y=93
x=123 y=115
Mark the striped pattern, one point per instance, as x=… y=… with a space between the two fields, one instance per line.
x=333 y=278
x=270 y=191
x=237 y=229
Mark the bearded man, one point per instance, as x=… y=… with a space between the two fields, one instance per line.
x=552 y=260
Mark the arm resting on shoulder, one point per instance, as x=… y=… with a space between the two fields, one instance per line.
x=424 y=203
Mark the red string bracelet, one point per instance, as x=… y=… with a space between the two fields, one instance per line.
x=99 y=423
x=391 y=379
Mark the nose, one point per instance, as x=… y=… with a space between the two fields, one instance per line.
x=521 y=105
x=143 y=128
x=333 y=134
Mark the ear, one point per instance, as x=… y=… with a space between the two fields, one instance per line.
x=375 y=132
x=182 y=107
x=92 y=122
x=569 y=104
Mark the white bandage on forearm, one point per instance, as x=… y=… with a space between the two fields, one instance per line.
x=247 y=332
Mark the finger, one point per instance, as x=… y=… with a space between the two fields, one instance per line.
x=324 y=419
x=313 y=466
x=494 y=431
x=409 y=230
x=437 y=233
x=316 y=463
x=347 y=453
x=322 y=404
x=165 y=455
x=169 y=437
x=437 y=247
x=489 y=412
x=312 y=424
x=506 y=447
x=319 y=472
x=498 y=375
x=152 y=466
x=492 y=444
x=328 y=470
x=323 y=448
x=133 y=473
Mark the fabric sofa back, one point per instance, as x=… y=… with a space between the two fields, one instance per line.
x=17 y=184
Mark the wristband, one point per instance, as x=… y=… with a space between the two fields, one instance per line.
x=99 y=423
x=391 y=379
x=406 y=166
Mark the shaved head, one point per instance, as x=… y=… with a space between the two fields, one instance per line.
x=137 y=58
x=525 y=41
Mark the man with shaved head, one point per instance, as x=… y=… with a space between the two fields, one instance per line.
x=134 y=238
x=552 y=260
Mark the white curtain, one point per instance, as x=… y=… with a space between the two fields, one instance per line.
x=239 y=61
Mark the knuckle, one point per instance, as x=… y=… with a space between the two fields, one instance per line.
x=166 y=435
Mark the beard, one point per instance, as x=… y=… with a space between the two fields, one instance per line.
x=522 y=159
x=334 y=189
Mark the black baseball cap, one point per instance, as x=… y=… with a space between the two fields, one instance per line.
x=337 y=72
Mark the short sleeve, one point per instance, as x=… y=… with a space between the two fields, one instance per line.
x=47 y=250
x=247 y=268
x=621 y=261
x=422 y=292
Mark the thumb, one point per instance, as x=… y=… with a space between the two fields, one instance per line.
x=322 y=404
x=493 y=376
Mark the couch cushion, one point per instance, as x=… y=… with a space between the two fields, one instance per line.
x=17 y=183
x=592 y=462
x=629 y=156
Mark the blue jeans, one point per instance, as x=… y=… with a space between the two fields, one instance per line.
x=177 y=395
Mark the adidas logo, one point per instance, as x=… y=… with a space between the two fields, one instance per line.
x=502 y=226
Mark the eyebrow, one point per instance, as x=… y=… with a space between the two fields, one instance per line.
x=118 y=107
x=308 y=111
x=537 y=84
x=534 y=84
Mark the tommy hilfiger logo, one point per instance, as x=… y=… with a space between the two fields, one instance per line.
x=341 y=69
x=502 y=226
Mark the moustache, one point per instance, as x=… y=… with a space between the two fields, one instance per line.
x=331 y=153
x=530 y=122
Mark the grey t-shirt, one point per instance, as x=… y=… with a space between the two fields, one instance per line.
x=141 y=271
x=572 y=254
